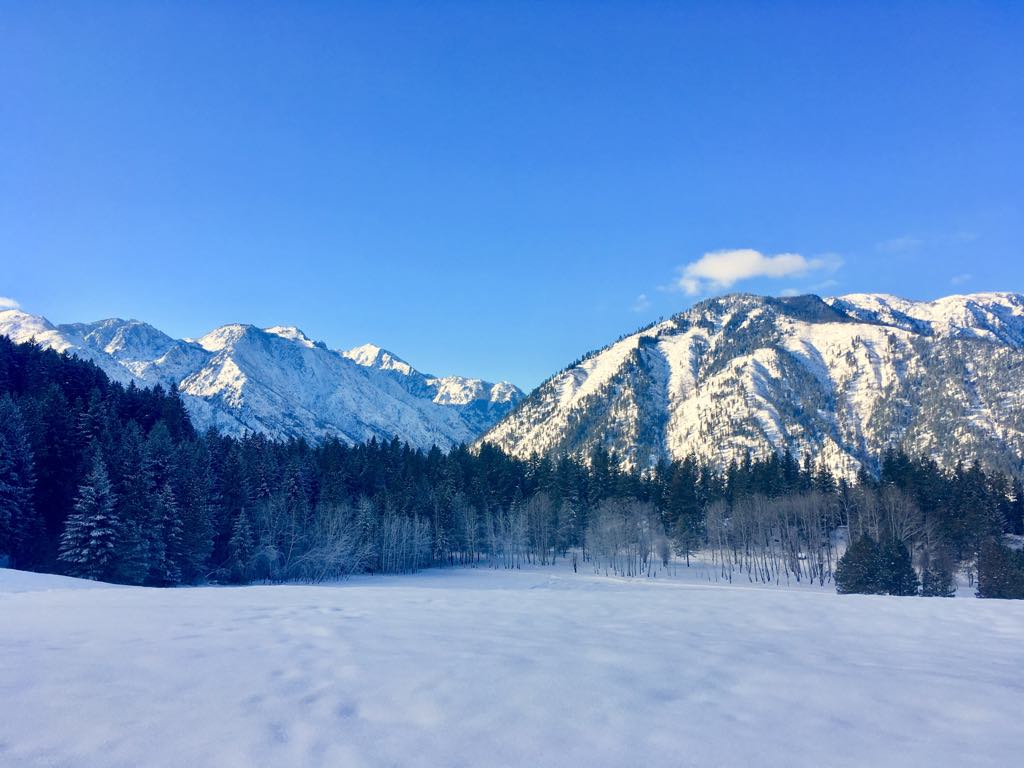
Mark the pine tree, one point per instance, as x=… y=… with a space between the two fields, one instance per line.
x=133 y=508
x=88 y=545
x=161 y=455
x=241 y=548
x=898 y=576
x=859 y=570
x=1000 y=572
x=10 y=504
x=1015 y=510
x=196 y=525
x=937 y=579
x=166 y=552
x=21 y=527
x=686 y=517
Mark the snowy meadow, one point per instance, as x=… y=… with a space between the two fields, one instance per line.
x=467 y=667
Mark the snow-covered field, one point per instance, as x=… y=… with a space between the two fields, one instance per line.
x=478 y=667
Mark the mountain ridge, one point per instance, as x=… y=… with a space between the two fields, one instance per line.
x=239 y=378
x=841 y=378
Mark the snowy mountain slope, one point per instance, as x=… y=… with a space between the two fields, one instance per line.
x=22 y=327
x=480 y=403
x=994 y=316
x=842 y=379
x=240 y=378
x=283 y=384
x=149 y=355
x=372 y=356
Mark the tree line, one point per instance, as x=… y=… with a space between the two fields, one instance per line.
x=111 y=482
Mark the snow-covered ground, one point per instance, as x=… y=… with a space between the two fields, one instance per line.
x=477 y=667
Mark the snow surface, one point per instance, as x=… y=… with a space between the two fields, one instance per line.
x=477 y=667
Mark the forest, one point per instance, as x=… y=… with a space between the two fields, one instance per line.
x=109 y=482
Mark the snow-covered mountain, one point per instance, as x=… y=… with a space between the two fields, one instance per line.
x=840 y=378
x=278 y=381
x=480 y=403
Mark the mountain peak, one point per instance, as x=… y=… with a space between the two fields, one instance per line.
x=224 y=336
x=372 y=356
x=291 y=333
x=19 y=325
x=124 y=339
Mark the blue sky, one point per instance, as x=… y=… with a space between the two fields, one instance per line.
x=494 y=189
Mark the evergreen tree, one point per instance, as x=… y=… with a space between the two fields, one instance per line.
x=20 y=526
x=161 y=456
x=937 y=579
x=1015 y=510
x=10 y=500
x=133 y=508
x=859 y=570
x=196 y=523
x=869 y=568
x=1000 y=571
x=88 y=545
x=897 y=572
x=241 y=549
x=166 y=548
x=59 y=465
x=684 y=512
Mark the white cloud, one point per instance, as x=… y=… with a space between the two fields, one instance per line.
x=8 y=303
x=642 y=303
x=961 y=279
x=719 y=270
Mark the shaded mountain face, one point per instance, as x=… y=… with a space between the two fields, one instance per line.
x=240 y=378
x=841 y=379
